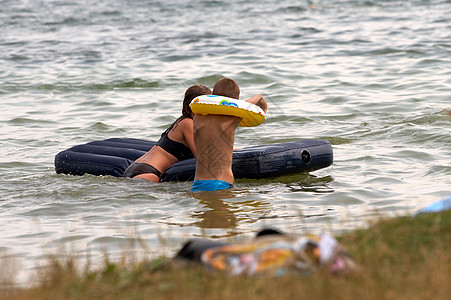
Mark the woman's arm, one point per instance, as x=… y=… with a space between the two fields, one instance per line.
x=187 y=130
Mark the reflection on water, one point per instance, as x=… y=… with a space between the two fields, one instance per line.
x=313 y=184
x=226 y=209
x=217 y=212
x=298 y=182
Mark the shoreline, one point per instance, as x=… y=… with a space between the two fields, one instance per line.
x=400 y=258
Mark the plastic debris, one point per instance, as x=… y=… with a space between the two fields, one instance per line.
x=273 y=254
x=438 y=206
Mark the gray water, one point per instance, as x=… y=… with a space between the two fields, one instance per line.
x=372 y=77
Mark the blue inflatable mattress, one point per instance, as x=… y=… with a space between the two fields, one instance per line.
x=113 y=156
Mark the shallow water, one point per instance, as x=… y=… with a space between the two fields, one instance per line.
x=372 y=77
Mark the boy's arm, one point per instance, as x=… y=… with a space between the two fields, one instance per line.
x=259 y=101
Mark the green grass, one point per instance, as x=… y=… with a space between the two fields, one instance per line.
x=400 y=258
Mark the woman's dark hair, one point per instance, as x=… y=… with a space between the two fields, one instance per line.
x=191 y=93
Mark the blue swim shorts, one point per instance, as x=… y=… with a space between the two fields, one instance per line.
x=209 y=185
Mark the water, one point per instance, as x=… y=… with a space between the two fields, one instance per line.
x=372 y=77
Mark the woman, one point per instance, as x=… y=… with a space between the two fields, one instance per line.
x=175 y=144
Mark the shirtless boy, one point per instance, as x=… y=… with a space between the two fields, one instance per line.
x=213 y=138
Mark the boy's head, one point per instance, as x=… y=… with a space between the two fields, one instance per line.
x=191 y=93
x=227 y=87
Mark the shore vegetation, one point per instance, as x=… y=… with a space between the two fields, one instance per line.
x=400 y=258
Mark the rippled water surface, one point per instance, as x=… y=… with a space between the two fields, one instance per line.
x=372 y=77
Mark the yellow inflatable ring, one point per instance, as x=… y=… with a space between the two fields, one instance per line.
x=251 y=114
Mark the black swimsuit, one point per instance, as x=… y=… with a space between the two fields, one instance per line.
x=177 y=149
x=140 y=168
